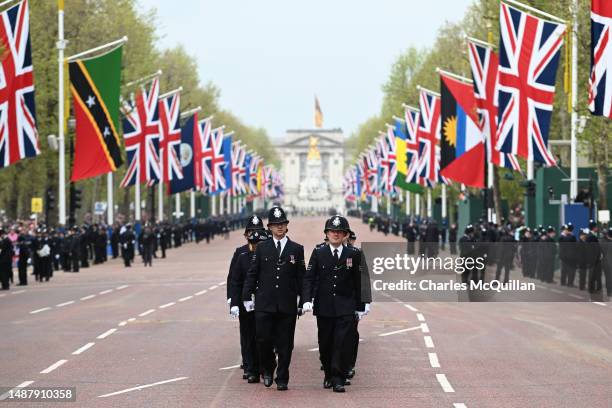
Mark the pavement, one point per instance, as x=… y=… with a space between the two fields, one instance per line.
x=162 y=337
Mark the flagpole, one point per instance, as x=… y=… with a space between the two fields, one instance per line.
x=177 y=205
x=490 y=175
x=574 y=119
x=410 y=107
x=408 y=209
x=190 y=111
x=120 y=41
x=454 y=76
x=444 y=209
x=160 y=201
x=144 y=79
x=429 y=212
x=429 y=91
x=61 y=45
x=192 y=204
x=213 y=206
x=417 y=205
x=110 y=205
x=534 y=10
x=229 y=203
x=170 y=93
x=137 y=200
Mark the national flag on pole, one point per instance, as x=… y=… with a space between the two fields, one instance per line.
x=528 y=59
x=428 y=136
x=95 y=87
x=402 y=164
x=190 y=135
x=141 y=132
x=238 y=169
x=210 y=159
x=370 y=166
x=170 y=137
x=412 y=118
x=462 y=143
x=253 y=166
x=600 y=80
x=358 y=180
x=318 y=116
x=18 y=134
x=485 y=66
x=227 y=165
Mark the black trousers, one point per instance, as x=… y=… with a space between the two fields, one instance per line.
x=336 y=337
x=5 y=274
x=275 y=331
x=568 y=271
x=582 y=274
x=595 y=283
x=506 y=267
x=248 y=343
x=22 y=266
x=355 y=343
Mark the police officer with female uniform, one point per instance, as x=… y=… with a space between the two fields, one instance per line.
x=332 y=288
x=275 y=279
x=238 y=275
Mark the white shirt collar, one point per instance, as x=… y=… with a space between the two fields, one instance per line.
x=339 y=249
x=282 y=241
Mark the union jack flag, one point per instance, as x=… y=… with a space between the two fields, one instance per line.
x=212 y=161
x=370 y=170
x=412 y=146
x=428 y=136
x=254 y=164
x=18 y=134
x=170 y=137
x=348 y=184
x=387 y=161
x=528 y=60
x=600 y=81
x=277 y=185
x=485 y=66
x=267 y=184
x=238 y=169
x=141 y=135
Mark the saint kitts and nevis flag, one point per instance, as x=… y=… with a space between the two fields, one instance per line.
x=462 y=144
x=95 y=87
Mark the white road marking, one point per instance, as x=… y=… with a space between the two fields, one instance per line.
x=541 y=287
x=106 y=333
x=131 y=319
x=201 y=292
x=167 y=305
x=82 y=349
x=104 y=292
x=444 y=383
x=557 y=291
x=575 y=296
x=123 y=323
x=459 y=405
x=53 y=367
x=22 y=385
x=65 y=303
x=399 y=331
x=40 y=310
x=414 y=309
x=433 y=360
x=420 y=317
x=221 y=283
x=424 y=328
x=600 y=304
x=3 y=295
x=88 y=297
x=140 y=387
x=18 y=292
x=213 y=287
x=185 y=298
x=121 y=287
x=230 y=367
x=428 y=342
x=148 y=312
x=314 y=349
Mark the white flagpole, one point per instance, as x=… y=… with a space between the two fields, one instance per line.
x=444 y=209
x=192 y=208
x=574 y=141
x=229 y=203
x=213 y=206
x=417 y=205
x=61 y=45
x=408 y=203
x=96 y=49
x=160 y=199
x=429 y=209
x=137 y=201
x=110 y=205
x=177 y=205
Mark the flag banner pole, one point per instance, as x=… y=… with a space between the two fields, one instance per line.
x=190 y=112
x=429 y=208
x=192 y=203
x=574 y=102
x=4 y=3
x=454 y=76
x=144 y=79
x=207 y=119
x=534 y=10
x=434 y=93
x=480 y=42
x=160 y=202
x=408 y=209
x=61 y=46
x=410 y=107
x=120 y=41
x=172 y=92
x=137 y=201
x=398 y=119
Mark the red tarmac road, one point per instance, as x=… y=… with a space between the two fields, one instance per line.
x=166 y=340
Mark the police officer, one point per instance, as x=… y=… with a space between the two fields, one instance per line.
x=567 y=256
x=22 y=261
x=528 y=253
x=594 y=258
x=147 y=244
x=6 y=259
x=606 y=251
x=238 y=273
x=74 y=249
x=333 y=280
x=506 y=250
x=127 y=239
x=275 y=278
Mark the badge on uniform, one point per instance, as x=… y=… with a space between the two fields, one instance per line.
x=292 y=259
x=349 y=262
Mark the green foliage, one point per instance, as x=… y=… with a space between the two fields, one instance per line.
x=89 y=23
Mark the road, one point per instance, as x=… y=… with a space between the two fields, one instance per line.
x=162 y=337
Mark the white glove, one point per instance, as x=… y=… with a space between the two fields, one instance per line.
x=360 y=315
x=307 y=307
x=249 y=305
x=234 y=311
x=367 y=308
x=229 y=301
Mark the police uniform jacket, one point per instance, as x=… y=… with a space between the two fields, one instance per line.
x=276 y=281
x=334 y=284
x=237 y=252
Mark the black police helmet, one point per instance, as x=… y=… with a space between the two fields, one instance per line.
x=256 y=236
x=254 y=223
x=337 y=223
x=277 y=215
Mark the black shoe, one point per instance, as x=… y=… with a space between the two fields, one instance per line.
x=339 y=388
x=267 y=381
x=327 y=384
x=351 y=373
x=253 y=379
x=282 y=387
x=245 y=376
x=347 y=382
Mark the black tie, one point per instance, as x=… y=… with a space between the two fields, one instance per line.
x=278 y=248
x=336 y=254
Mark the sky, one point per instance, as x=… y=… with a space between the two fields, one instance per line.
x=271 y=57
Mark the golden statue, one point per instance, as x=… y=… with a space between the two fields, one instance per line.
x=313 y=153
